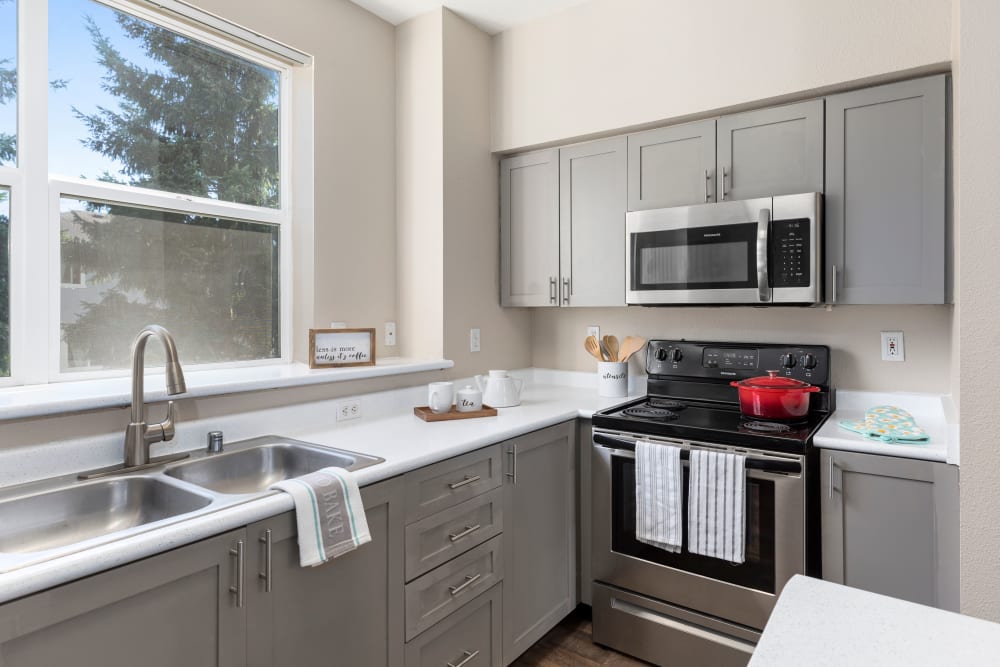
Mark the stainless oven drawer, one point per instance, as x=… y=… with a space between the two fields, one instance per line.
x=667 y=635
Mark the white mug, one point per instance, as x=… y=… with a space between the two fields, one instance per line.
x=612 y=378
x=439 y=396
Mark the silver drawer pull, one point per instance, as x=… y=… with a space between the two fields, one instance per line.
x=467 y=480
x=469 y=530
x=469 y=580
x=466 y=658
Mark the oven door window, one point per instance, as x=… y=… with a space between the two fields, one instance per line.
x=756 y=572
x=720 y=257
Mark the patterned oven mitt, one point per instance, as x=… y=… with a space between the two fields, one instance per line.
x=887 y=423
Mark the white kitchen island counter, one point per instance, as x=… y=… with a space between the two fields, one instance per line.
x=388 y=429
x=821 y=624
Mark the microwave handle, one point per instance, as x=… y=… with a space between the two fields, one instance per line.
x=763 y=225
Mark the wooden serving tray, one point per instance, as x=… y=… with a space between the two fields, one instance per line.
x=428 y=415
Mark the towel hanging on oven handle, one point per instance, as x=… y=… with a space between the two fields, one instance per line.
x=754 y=464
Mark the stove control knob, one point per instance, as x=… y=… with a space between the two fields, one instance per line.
x=787 y=360
x=675 y=355
x=661 y=354
x=808 y=361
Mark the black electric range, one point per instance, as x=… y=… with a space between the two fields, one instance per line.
x=690 y=398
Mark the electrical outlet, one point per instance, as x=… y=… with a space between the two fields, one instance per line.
x=390 y=334
x=348 y=410
x=474 y=340
x=892 y=346
x=594 y=331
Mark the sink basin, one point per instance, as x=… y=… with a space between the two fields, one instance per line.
x=257 y=467
x=73 y=514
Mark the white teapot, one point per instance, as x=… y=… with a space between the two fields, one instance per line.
x=499 y=389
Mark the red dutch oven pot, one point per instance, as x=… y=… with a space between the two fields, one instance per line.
x=774 y=397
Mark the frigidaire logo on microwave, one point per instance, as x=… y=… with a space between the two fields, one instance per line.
x=708 y=236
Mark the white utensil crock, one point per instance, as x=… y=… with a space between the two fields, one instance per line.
x=612 y=378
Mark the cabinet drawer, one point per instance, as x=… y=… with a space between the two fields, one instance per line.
x=440 y=537
x=437 y=487
x=440 y=592
x=470 y=637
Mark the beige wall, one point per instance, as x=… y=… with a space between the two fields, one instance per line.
x=353 y=243
x=610 y=64
x=979 y=323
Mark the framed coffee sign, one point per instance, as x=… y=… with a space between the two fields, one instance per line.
x=337 y=348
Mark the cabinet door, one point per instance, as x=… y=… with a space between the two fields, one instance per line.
x=172 y=609
x=529 y=229
x=889 y=526
x=539 y=586
x=777 y=151
x=885 y=194
x=672 y=166
x=592 y=194
x=346 y=612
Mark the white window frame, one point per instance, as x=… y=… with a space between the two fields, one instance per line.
x=35 y=271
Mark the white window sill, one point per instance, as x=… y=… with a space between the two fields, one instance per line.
x=61 y=397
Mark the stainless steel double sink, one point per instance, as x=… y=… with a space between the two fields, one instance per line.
x=47 y=519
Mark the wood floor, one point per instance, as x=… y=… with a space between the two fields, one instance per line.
x=569 y=645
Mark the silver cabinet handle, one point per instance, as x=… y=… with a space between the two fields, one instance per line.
x=763 y=227
x=833 y=287
x=724 y=190
x=832 y=466
x=265 y=539
x=467 y=657
x=565 y=291
x=469 y=580
x=552 y=290
x=512 y=453
x=467 y=480
x=237 y=588
x=708 y=179
x=469 y=530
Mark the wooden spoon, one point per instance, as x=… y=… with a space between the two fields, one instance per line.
x=592 y=346
x=611 y=344
x=630 y=346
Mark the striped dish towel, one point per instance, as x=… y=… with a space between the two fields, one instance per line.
x=658 y=495
x=329 y=514
x=717 y=505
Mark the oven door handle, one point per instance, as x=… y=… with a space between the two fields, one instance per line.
x=627 y=448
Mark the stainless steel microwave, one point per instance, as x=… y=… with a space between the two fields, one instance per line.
x=756 y=251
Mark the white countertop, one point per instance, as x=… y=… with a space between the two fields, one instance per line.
x=389 y=430
x=931 y=412
x=821 y=624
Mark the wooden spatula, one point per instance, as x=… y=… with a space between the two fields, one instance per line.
x=611 y=345
x=630 y=346
x=592 y=346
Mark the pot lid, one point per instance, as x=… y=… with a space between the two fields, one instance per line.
x=772 y=381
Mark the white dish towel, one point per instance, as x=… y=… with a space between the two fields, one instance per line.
x=329 y=513
x=717 y=505
x=658 y=495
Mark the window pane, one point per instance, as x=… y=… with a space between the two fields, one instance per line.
x=8 y=86
x=4 y=282
x=137 y=104
x=213 y=282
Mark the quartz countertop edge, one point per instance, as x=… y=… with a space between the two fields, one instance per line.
x=404 y=440
x=930 y=411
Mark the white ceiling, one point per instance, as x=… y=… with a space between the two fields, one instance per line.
x=492 y=16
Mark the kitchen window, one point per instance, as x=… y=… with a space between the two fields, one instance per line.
x=145 y=169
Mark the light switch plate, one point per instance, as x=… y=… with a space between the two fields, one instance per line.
x=474 y=340
x=595 y=331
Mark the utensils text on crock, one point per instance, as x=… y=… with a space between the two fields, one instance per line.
x=611 y=345
x=630 y=346
x=592 y=346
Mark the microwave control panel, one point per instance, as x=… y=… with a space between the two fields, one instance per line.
x=790 y=256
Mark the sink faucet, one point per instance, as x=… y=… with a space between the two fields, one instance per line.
x=139 y=435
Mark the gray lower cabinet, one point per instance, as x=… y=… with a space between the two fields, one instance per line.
x=171 y=609
x=890 y=526
x=885 y=194
x=539 y=586
x=468 y=638
x=768 y=152
x=346 y=612
x=672 y=166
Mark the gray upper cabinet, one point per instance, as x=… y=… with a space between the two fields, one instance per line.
x=672 y=166
x=529 y=229
x=348 y=611
x=592 y=192
x=777 y=151
x=885 y=194
x=539 y=539
x=172 y=609
x=889 y=526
